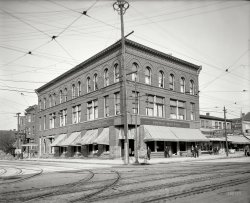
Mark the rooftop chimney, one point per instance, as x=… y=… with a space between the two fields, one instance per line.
x=207 y=114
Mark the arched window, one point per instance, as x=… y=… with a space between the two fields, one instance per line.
x=148 y=76
x=54 y=99
x=106 y=78
x=117 y=74
x=60 y=97
x=44 y=103
x=182 y=84
x=40 y=104
x=65 y=94
x=50 y=101
x=191 y=87
x=79 y=89
x=73 y=91
x=161 y=79
x=88 y=85
x=95 y=80
x=171 y=82
x=135 y=72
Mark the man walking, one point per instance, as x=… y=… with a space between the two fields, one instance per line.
x=166 y=152
x=148 y=153
x=246 y=150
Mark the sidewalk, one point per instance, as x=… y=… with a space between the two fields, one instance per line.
x=132 y=160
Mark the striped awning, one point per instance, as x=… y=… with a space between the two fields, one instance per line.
x=238 y=139
x=158 y=133
x=58 y=139
x=103 y=138
x=89 y=137
x=73 y=136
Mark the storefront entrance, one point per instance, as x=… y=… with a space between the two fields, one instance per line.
x=131 y=147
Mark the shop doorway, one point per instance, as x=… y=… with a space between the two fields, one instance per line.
x=131 y=147
x=174 y=147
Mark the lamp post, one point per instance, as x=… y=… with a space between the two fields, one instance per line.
x=121 y=6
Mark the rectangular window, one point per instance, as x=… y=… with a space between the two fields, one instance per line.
x=216 y=125
x=40 y=123
x=207 y=124
x=220 y=125
x=173 y=109
x=106 y=106
x=92 y=110
x=29 y=118
x=181 y=110
x=192 y=111
x=202 y=123
x=117 y=103
x=52 y=119
x=150 y=105
x=135 y=96
x=76 y=114
x=44 y=122
x=63 y=117
x=159 y=104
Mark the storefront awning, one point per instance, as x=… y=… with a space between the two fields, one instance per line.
x=158 y=133
x=188 y=135
x=236 y=139
x=58 y=139
x=68 y=141
x=103 y=138
x=131 y=134
x=89 y=137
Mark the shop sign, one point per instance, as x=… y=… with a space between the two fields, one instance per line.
x=146 y=121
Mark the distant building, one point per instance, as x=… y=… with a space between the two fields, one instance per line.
x=80 y=113
x=211 y=125
x=28 y=130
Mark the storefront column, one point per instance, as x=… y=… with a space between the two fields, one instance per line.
x=178 y=148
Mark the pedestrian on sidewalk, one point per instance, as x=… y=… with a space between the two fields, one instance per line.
x=196 y=151
x=148 y=153
x=246 y=150
x=192 y=151
x=166 y=152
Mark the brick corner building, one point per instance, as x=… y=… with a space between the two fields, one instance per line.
x=80 y=113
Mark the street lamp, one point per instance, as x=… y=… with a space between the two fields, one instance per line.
x=121 y=6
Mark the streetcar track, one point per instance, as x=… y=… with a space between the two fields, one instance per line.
x=86 y=197
x=61 y=187
x=157 y=187
x=198 y=190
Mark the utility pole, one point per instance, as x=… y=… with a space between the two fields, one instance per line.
x=121 y=6
x=136 y=112
x=18 y=126
x=225 y=128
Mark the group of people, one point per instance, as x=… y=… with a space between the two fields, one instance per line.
x=195 y=151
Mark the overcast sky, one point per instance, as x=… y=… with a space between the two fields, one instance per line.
x=213 y=34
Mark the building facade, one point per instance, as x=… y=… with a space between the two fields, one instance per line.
x=81 y=112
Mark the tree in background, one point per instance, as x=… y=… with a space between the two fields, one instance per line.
x=7 y=140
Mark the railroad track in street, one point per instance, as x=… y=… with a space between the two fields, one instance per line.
x=18 y=178
x=59 y=189
x=197 y=190
x=163 y=186
x=100 y=190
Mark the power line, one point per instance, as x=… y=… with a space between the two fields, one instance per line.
x=16 y=90
x=25 y=81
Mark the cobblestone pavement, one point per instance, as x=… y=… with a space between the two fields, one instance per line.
x=183 y=180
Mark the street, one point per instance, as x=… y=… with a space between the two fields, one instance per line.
x=220 y=180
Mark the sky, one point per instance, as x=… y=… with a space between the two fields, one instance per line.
x=213 y=34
